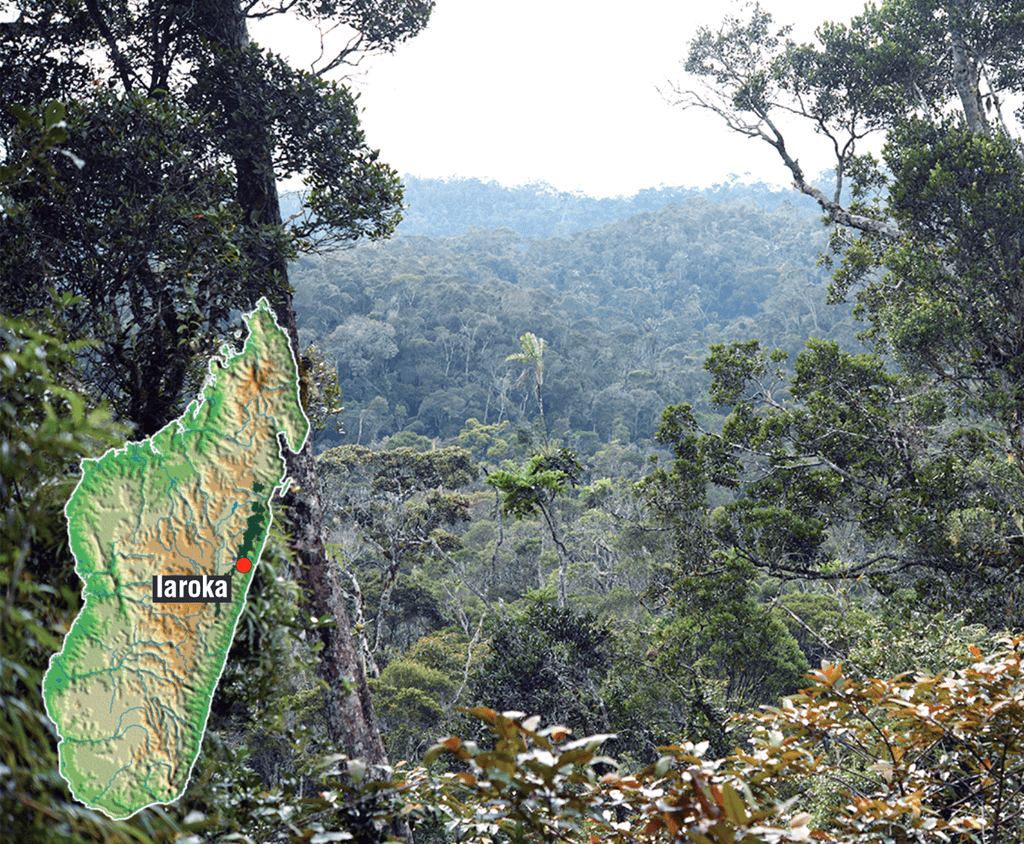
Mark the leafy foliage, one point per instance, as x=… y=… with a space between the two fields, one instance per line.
x=847 y=449
x=403 y=506
x=626 y=313
x=146 y=216
x=533 y=489
x=537 y=482
x=315 y=132
x=902 y=759
x=947 y=305
x=536 y=785
x=524 y=786
x=548 y=660
x=156 y=268
x=911 y=755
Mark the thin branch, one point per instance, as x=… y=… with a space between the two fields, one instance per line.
x=463 y=619
x=248 y=9
x=467 y=582
x=836 y=213
x=860 y=570
x=775 y=602
x=354 y=46
x=469 y=659
x=766 y=130
x=120 y=62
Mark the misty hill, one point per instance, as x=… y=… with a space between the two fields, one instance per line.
x=419 y=327
x=447 y=207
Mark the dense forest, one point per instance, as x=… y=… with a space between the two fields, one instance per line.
x=692 y=516
x=627 y=311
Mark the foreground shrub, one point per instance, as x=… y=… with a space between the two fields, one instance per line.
x=912 y=758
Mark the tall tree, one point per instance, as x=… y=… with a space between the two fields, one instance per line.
x=532 y=359
x=154 y=218
x=402 y=504
x=192 y=68
x=232 y=85
x=845 y=472
x=939 y=216
x=532 y=488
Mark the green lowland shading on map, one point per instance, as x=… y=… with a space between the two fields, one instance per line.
x=130 y=692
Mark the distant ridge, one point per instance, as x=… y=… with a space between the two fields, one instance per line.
x=448 y=207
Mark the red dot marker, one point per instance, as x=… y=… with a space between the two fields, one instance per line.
x=243 y=564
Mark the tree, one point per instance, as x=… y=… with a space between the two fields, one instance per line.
x=401 y=503
x=906 y=759
x=264 y=120
x=548 y=660
x=186 y=250
x=847 y=449
x=941 y=217
x=929 y=463
x=532 y=359
x=532 y=488
x=731 y=650
x=140 y=227
x=893 y=61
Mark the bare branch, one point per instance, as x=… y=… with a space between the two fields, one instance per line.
x=469 y=660
x=462 y=575
x=775 y=602
x=120 y=62
x=835 y=212
x=354 y=47
x=862 y=569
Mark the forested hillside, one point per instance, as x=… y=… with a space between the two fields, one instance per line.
x=448 y=207
x=435 y=345
x=419 y=328
x=550 y=358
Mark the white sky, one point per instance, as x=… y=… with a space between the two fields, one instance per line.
x=560 y=91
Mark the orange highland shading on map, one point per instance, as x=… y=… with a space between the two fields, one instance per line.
x=157 y=529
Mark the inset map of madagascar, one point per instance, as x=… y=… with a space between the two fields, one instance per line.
x=165 y=534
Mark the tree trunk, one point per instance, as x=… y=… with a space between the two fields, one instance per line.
x=350 y=715
x=551 y=517
x=966 y=80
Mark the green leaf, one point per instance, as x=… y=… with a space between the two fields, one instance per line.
x=735 y=808
x=25 y=118
x=53 y=114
